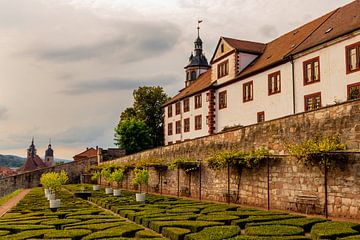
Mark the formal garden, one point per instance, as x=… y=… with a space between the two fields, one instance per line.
x=105 y=216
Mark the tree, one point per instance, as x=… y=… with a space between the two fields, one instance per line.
x=128 y=113
x=148 y=103
x=132 y=135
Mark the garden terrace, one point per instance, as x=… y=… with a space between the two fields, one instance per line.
x=178 y=219
x=75 y=219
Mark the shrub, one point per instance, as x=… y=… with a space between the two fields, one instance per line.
x=58 y=223
x=141 y=177
x=146 y=221
x=95 y=176
x=118 y=176
x=268 y=238
x=25 y=235
x=332 y=230
x=53 y=180
x=357 y=237
x=73 y=234
x=274 y=230
x=19 y=228
x=126 y=230
x=220 y=218
x=95 y=226
x=146 y=234
x=258 y=219
x=184 y=210
x=88 y=217
x=175 y=233
x=214 y=233
x=4 y=232
x=194 y=226
x=218 y=208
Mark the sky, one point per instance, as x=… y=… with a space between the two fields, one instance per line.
x=68 y=68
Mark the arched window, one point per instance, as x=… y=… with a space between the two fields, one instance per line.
x=193 y=75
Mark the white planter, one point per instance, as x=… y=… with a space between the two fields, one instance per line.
x=140 y=197
x=108 y=190
x=46 y=191
x=96 y=187
x=117 y=192
x=51 y=196
x=55 y=203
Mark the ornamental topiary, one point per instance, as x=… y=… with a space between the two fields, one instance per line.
x=141 y=177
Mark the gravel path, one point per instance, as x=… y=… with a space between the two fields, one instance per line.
x=12 y=202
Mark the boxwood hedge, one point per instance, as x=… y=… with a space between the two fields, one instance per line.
x=175 y=233
x=333 y=230
x=274 y=230
x=214 y=233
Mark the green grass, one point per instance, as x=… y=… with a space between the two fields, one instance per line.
x=7 y=197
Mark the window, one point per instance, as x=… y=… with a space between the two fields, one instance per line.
x=177 y=108
x=248 y=90
x=193 y=75
x=312 y=101
x=222 y=48
x=186 y=124
x=311 y=71
x=222 y=100
x=170 y=143
x=198 y=122
x=353 y=58
x=170 y=111
x=178 y=127
x=170 y=129
x=198 y=102
x=186 y=105
x=274 y=83
x=353 y=91
x=223 y=69
x=260 y=117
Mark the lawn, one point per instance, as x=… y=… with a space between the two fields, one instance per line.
x=160 y=217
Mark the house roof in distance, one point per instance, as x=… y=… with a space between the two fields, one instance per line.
x=32 y=163
x=88 y=153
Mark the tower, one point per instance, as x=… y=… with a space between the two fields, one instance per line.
x=31 y=152
x=49 y=156
x=198 y=63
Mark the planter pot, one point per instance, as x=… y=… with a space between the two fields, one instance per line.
x=51 y=196
x=108 y=190
x=96 y=187
x=117 y=192
x=140 y=197
x=46 y=191
x=54 y=204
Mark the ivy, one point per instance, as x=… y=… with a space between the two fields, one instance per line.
x=237 y=158
x=317 y=151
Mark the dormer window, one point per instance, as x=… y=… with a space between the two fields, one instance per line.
x=223 y=69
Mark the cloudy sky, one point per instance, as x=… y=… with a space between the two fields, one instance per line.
x=68 y=67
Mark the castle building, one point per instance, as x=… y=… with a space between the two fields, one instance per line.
x=315 y=65
x=33 y=161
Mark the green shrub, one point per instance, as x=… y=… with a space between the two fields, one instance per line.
x=183 y=210
x=85 y=212
x=175 y=233
x=96 y=226
x=4 y=232
x=73 y=234
x=95 y=221
x=58 y=223
x=305 y=223
x=147 y=234
x=219 y=208
x=126 y=230
x=194 y=226
x=25 y=235
x=258 y=219
x=19 y=228
x=88 y=217
x=274 y=230
x=146 y=221
x=132 y=216
x=214 y=233
x=356 y=237
x=220 y=218
x=332 y=230
x=268 y=238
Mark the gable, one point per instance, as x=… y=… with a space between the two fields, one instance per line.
x=218 y=51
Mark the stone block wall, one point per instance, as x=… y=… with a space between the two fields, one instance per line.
x=32 y=179
x=285 y=179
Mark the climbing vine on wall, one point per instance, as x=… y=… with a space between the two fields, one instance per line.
x=186 y=163
x=319 y=151
x=237 y=158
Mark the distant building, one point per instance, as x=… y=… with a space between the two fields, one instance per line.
x=6 y=172
x=100 y=154
x=87 y=154
x=33 y=161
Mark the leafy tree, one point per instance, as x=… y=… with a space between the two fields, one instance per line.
x=148 y=103
x=128 y=113
x=132 y=135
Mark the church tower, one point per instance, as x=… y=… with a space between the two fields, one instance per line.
x=31 y=152
x=49 y=156
x=198 y=63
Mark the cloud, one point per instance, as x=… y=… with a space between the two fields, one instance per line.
x=268 y=31
x=80 y=135
x=132 y=41
x=3 y=113
x=117 y=84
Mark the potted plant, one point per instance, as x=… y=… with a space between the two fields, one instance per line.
x=118 y=176
x=106 y=174
x=53 y=181
x=141 y=178
x=95 y=177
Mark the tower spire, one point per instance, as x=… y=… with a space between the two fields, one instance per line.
x=198 y=27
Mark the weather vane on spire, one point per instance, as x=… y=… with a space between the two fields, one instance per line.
x=198 y=27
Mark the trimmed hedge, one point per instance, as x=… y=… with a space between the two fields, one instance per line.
x=73 y=234
x=184 y=210
x=194 y=226
x=356 y=237
x=126 y=230
x=19 y=228
x=146 y=221
x=25 y=235
x=332 y=230
x=215 y=233
x=4 y=232
x=58 y=223
x=175 y=233
x=274 y=230
x=269 y=238
x=96 y=226
x=219 y=208
x=147 y=234
x=220 y=218
x=258 y=219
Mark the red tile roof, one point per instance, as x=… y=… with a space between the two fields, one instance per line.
x=32 y=164
x=88 y=153
x=5 y=172
x=246 y=46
